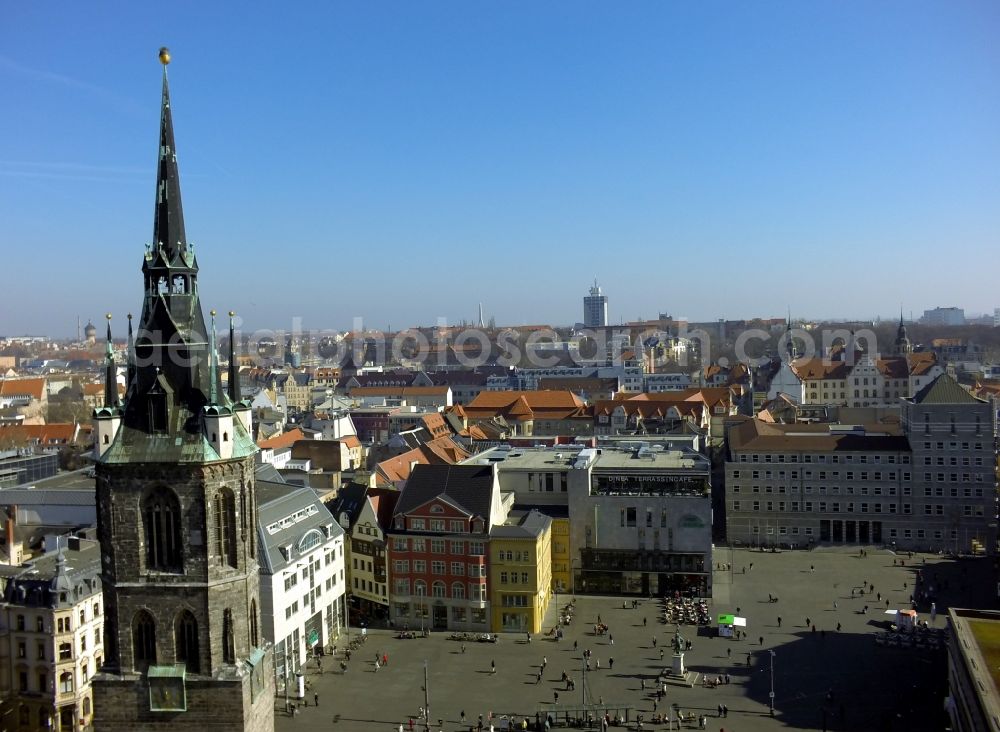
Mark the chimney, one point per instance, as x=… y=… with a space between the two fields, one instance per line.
x=10 y=529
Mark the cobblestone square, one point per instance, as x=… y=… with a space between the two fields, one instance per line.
x=838 y=680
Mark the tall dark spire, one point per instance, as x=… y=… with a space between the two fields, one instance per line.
x=234 y=369
x=168 y=220
x=173 y=361
x=110 y=373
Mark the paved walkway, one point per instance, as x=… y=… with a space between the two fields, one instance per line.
x=840 y=678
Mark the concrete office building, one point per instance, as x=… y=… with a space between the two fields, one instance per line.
x=595 y=308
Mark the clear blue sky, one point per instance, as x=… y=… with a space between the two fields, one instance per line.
x=405 y=161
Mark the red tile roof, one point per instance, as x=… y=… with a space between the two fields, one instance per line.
x=34 y=388
x=285 y=439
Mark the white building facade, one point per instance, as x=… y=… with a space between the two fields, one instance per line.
x=302 y=580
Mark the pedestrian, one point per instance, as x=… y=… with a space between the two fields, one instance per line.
x=598 y=664
x=376 y=665
x=545 y=661
x=555 y=697
x=812 y=568
x=720 y=710
x=611 y=664
x=644 y=622
x=751 y=566
x=761 y=640
x=725 y=710
x=838 y=627
x=878 y=597
x=748 y=660
x=727 y=678
x=462 y=716
x=316 y=700
x=779 y=621
x=400 y=727
x=654 y=641
x=661 y=654
x=385 y=659
x=729 y=651
x=611 y=639
x=835 y=605
x=808 y=622
x=410 y=724
x=642 y=684
x=463 y=648
x=493 y=666
x=538 y=677
x=575 y=643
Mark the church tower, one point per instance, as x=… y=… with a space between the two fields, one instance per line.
x=176 y=510
x=902 y=345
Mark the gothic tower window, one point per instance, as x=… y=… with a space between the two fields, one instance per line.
x=225 y=529
x=143 y=640
x=253 y=624
x=186 y=641
x=228 y=638
x=161 y=517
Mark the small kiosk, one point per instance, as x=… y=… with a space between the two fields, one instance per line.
x=904 y=620
x=728 y=622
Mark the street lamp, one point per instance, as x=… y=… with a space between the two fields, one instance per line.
x=771 y=698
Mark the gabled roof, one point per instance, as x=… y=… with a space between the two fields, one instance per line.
x=468 y=487
x=820 y=368
x=945 y=390
x=285 y=439
x=34 y=388
x=401 y=391
x=57 y=433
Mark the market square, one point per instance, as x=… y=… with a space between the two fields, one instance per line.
x=823 y=678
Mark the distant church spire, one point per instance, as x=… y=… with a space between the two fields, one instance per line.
x=903 y=345
x=110 y=373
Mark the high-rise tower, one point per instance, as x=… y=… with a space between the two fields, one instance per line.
x=176 y=510
x=595 y=308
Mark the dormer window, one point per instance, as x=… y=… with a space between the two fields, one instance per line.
x=436 y=509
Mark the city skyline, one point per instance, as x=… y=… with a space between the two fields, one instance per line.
x=764 y=158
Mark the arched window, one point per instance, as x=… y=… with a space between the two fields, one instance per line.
x=228 y=637
x=225 y=534
x=458 y=590
x=437 y=589
x=86 y=706
x=161 y=518
x=106 y=440
x=143 y=640
x=186 y=641
x=420 y=588
x=253 y=624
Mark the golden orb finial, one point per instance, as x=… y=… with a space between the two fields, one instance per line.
x=232 y=313
x=108 y=316
x=164 y=55
x=212 y=313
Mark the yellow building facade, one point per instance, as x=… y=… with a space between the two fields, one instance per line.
x=562 y=572
x=520 y=574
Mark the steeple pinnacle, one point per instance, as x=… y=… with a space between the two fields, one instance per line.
x=130 y=355
x=168 y=220
x=213 y=374
x=110 y=374
x=234 y=369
